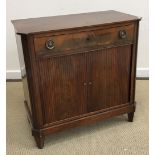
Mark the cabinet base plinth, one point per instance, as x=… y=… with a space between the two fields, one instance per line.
x=39 y=134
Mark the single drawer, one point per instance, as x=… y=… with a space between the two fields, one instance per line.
x=66 y=43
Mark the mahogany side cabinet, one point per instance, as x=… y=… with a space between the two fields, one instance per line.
x=77 y=69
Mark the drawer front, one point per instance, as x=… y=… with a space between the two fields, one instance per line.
x=66 y=43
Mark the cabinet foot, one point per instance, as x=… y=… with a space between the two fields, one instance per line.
x=39 y=141
x=130 y=116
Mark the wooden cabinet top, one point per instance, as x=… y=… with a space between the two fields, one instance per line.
x=44 y=24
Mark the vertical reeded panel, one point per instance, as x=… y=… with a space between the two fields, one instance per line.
x=62 y=87
x=109 y=74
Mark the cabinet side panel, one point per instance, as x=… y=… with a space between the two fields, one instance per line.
x=30 y=81
x=23 y=73
x=134 y=63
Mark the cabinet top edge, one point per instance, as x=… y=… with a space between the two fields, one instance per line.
x=54 y=23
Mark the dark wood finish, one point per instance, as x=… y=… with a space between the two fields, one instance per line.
x=79 y=71
x=130 y=116
x=69 y=42
x=64 y=94
x=109 y=77
x=40 y=141
x=134 y=63
x=88 y=118
x=44 y=24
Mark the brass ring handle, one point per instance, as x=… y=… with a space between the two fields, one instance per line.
x=49 y=44
x=84 y=83
x=90 y=83
x=122 y=34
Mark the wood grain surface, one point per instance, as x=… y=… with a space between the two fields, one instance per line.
x=43 y=24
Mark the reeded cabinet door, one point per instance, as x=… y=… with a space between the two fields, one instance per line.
x=109 y=77
x=62 y=86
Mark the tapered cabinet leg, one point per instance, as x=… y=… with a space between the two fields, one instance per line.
x=39 y=141
x=130 y=116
